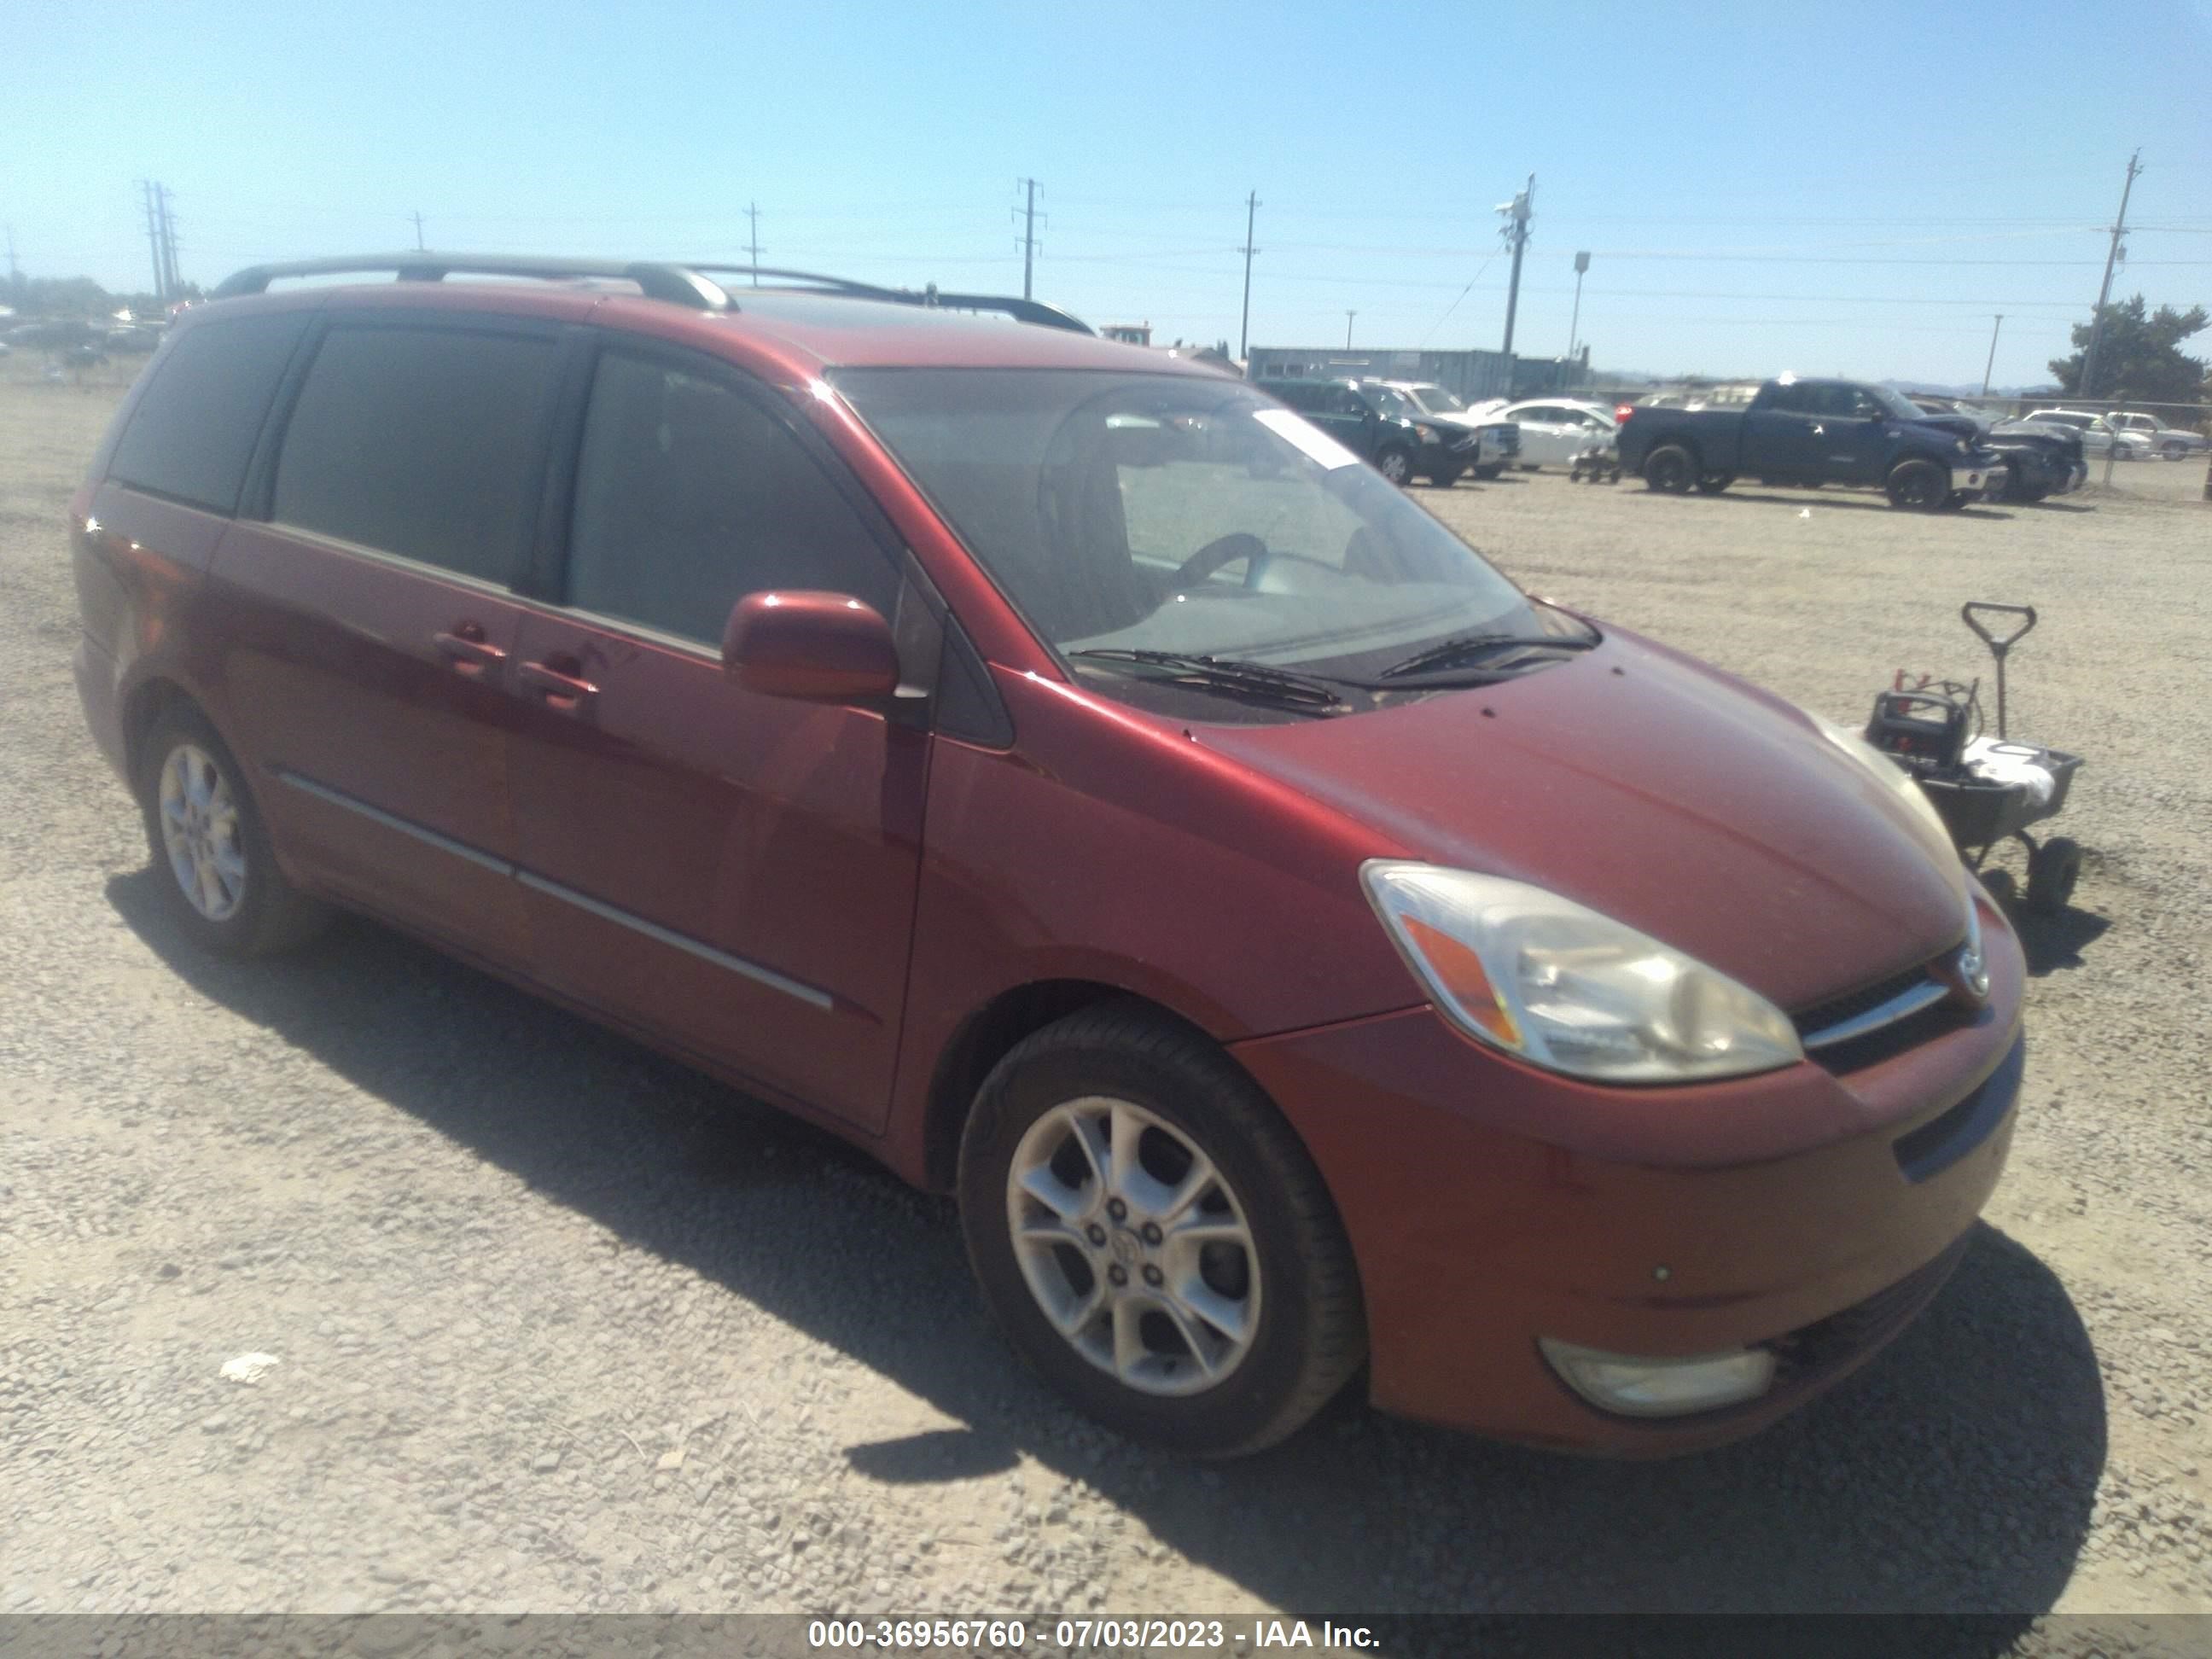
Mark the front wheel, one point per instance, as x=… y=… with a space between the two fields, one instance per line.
x=2053 y=870
x=1919 y=486
x=1395 y=464
x=1152 y=1237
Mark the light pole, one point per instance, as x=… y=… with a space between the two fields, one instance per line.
x=1348 y=316
x=1992 y=363
x=1574 y=328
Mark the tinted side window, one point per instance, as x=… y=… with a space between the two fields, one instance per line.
x=195 y=428
x=423 y=442
x=1796 y=399
x=690 y=496
x=1291 y=393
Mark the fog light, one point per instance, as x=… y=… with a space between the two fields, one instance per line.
x=1630 y=1385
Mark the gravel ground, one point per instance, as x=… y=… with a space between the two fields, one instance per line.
x=560 y=1326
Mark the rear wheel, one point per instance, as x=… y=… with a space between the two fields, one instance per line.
x=218 y=875
x=1919 y=486
x=1154 y=1239
x=1671 y=469
x=1395 y=464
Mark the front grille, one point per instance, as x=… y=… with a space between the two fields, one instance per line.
x=1811 y=1021
x=1813 y=1353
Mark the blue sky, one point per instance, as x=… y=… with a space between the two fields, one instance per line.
x=1841 y=189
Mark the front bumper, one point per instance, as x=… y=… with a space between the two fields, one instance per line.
x=1973 y=478
x=1808 y=1211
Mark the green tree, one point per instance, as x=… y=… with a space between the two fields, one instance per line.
x=2139 y=356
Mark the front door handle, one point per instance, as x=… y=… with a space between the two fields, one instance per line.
x=470 y=652
x=567 y=692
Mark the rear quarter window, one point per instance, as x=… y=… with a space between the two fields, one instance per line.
x=425 y=442
x=194 y=430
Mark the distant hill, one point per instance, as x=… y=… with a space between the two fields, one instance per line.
x=1933 y=390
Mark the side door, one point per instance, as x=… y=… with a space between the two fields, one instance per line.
x=1780 y=434
x=732 y=873
x=369 y=628
x=1546 y=436
x=1858 y=435
x=1342 y=413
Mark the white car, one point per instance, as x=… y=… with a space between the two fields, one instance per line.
x=2098 y=436
x=1555 y=430
x=2170 y=443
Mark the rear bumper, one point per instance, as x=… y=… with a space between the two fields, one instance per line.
x=1476 y=1241
x=97 y=676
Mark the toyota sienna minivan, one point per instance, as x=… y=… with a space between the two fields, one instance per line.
x=1074 y=777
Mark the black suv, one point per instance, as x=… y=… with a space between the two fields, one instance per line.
x=1382 y=426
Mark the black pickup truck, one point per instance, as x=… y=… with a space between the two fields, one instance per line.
x=1812 y=432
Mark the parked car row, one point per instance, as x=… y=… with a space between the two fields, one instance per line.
x=1401 y=429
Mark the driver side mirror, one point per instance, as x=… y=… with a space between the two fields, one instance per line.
x=811 y=646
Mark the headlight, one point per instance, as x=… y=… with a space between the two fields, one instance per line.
x=1541 y=977
x=1962 y=443
x=1936 y=835
x=1973 y=964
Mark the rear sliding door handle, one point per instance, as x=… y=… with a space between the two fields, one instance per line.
x=560 y=690
x=467 y=649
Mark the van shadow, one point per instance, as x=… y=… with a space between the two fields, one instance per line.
x=1955 y=1473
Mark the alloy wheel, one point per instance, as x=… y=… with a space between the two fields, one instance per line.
x=201 y=832
x=1136 y=1249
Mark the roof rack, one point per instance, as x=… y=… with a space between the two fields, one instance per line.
x=1022 y=310
x=676 y=283
x=683 y=284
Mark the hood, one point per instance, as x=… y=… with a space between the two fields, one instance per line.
x=1469 y=419
x=1706 y=813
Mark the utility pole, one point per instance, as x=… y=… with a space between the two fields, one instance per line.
x=753 y=247
x=154 y=240
x=1990 y=365
x=1517 y=213
x=1574 y=328
x=1028 y=241
x=2104 y=294
x=1348 y=316
x=1244 y=328
x=175 y=284
x=417 y=218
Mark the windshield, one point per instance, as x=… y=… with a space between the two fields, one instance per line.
x=1179 y=513
x=1435 y=400
x=1895 y=402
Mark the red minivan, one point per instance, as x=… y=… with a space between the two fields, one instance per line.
x=1071 y=776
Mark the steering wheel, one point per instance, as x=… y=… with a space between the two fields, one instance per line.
x=1222 y=551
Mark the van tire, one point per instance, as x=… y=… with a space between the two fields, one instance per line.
x=1671 y=469
x=1309 y=1331
x=267 y=914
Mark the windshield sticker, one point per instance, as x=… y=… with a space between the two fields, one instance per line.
x=1309 y=439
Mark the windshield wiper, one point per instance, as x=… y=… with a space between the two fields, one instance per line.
x=1467 y=647
x=1224 y=674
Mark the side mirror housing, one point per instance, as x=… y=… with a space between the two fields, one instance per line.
x=812 y=647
